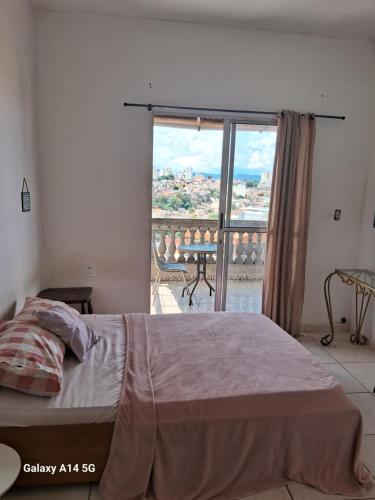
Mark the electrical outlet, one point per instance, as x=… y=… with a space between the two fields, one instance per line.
x=90 y=271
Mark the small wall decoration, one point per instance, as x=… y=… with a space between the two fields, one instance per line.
x=25 y=197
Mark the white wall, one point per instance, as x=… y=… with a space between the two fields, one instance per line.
x=19 y=232
x=367 y=239
x=96 y=156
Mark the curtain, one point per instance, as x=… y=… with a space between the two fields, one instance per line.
x=284 y=280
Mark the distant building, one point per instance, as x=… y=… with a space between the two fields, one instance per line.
x=239 y=189
x=253 y=214
x=265 y=180
x=199 y=178
x=188 y=174
x=167 y=171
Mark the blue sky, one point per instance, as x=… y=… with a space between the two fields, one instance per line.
x=179 y=148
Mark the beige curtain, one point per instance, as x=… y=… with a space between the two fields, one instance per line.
x=284 y=280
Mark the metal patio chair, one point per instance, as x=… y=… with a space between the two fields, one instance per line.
x=167 y=267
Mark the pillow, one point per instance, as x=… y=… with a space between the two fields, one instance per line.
x=31 y=357
x=33 y=304
x=70 y=328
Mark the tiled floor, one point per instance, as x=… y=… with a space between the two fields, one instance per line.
x=353 y=366
x=242 y=295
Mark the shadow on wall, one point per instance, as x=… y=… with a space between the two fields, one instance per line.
x=9 y=312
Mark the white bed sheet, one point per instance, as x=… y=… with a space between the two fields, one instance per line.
x=90 y=390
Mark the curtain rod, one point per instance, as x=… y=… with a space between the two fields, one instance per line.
x=248 y=111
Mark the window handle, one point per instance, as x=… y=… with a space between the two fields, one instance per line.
x=221 y=220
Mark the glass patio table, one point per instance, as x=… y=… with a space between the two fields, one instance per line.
x=363 y=281
x=202 y=250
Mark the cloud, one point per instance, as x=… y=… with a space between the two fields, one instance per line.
x=178 y=148
x=187 y=161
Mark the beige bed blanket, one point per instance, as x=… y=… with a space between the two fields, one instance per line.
x=223 y=405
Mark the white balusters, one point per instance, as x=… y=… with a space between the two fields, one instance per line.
x=191 y=257
x=211 y=236
x=172 y=247
x=240 y=249
x=162 y=246
x=231 y=253
x=259 y=249
x=250 y=249
x=181 y=255
x=202 y=233
x=245 y=249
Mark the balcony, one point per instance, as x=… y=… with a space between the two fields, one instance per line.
x=245 y=266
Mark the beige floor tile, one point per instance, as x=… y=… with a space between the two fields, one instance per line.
x=339 y=335
x=277 y=494
x=242 y=295
x=315 y=335
x=171 y=310
x=364 y=372
x=366 y=403
x=69 y=492
x=304 y=339
x=319 y=353
x=202 y=300
x=169 y=300
x=343 y=341
x=345 y=352
x=368 y=452
x=302 y=492
x=346 y=379
x=156 y=310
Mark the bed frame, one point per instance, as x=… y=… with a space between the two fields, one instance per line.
x=60 y=444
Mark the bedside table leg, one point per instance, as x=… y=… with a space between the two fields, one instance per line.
x=83 y=311
x=90 y=309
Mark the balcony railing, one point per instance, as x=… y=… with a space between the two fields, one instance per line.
x=247 y=248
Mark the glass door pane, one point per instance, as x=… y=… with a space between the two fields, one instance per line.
x=245 y=270
x=254 y=153
x=247 y=198
x=186 y=183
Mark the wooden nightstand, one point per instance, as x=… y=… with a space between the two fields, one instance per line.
x=74 y=295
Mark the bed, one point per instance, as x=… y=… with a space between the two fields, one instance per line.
x=230 y=396
x=77 y=425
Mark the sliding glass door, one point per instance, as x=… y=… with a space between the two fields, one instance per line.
x=247 y=164
x=210 y=199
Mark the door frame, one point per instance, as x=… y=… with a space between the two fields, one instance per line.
x=225 y=228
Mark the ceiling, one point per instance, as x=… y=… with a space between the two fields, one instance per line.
x=334 y=18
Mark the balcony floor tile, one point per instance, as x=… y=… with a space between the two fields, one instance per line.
x=242 y=295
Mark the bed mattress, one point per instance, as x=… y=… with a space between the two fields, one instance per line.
x=225 y=405
x=90 y=390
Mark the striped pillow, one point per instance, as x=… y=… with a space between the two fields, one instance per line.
x=31 y=357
